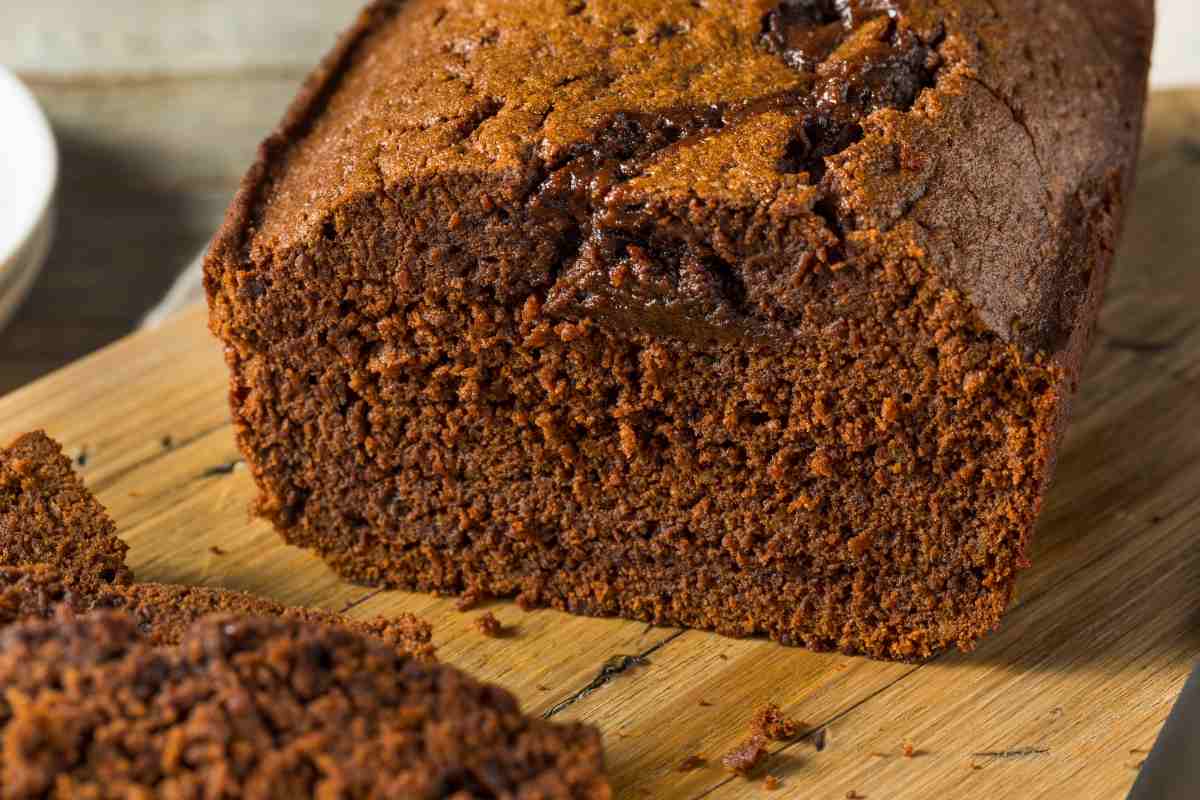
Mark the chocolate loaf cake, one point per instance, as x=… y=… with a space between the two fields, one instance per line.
x=59 y=551
x=260 y=709
x=762 y=317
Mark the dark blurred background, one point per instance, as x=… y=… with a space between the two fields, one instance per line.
x=158 y=107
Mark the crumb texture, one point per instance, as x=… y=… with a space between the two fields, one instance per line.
x=48 y=517
x=759 y=317
x=259 y=708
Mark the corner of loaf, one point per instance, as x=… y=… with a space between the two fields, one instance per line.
x=760 y=317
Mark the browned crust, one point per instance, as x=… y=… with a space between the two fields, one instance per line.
x=318 y=87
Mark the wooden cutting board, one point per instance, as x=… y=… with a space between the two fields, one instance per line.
x=1064 y=701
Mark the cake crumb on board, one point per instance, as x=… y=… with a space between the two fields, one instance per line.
x=770 y=721
x=690 y=763
x=746 y=756
x=488 y=625
x=771 y=783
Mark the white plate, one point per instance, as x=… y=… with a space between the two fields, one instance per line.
x=28 y=174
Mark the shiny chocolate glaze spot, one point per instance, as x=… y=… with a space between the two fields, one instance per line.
x=852 y=57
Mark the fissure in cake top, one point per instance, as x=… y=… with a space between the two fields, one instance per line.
x=862 y=129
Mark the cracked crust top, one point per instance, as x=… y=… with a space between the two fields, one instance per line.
x=702 y=156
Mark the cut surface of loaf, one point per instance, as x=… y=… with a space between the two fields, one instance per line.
x=59 y=551
x=757 y=317
x=262 y=709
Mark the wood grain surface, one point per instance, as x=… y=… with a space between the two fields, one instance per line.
x=1062 y=702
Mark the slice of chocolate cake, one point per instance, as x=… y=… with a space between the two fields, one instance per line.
x=48 y=517
x=760 y=316
x=164 y=611
x=59 y=548
x=261 y=709
x=110 y=687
